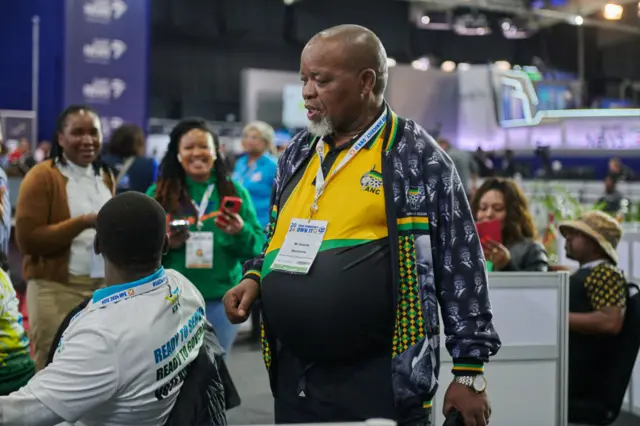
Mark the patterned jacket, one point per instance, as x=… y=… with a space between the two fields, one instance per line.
x=436 y=255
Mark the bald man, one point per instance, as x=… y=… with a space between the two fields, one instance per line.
x=370 y=230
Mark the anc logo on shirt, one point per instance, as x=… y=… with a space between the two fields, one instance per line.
x=371 y=182
x=174 y=299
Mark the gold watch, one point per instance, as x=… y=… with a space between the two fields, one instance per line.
x=478 y=383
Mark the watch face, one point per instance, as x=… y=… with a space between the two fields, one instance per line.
x=479 y=383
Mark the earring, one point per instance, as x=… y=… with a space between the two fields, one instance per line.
x=179 y=158
x=361 y=95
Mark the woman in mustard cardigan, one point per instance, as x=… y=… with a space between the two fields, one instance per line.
x=55 y=216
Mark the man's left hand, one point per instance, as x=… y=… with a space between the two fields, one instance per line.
x=474 y=407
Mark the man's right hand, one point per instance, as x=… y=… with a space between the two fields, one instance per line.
x=237 y=301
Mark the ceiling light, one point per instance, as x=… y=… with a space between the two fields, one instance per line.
x=472 y=25
x=612 y=11
x=421 y=64
x=577 y=20
x=391 y=62
x=425 y=20
x=448 y=66
x=502 y=65
x=463 y=66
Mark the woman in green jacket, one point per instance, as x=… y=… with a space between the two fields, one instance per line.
x=208 y=244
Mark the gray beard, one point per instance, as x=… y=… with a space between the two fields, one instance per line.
x=321 y=128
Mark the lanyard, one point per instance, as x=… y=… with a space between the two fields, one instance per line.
x=202 y=208
x=130 y=292
x=124 y=294
x=321 y=183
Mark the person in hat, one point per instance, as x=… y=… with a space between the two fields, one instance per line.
x=597 y=296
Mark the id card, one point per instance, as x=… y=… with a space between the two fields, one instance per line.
x=199 y=253
x=301 y=246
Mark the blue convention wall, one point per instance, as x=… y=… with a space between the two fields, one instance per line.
x=92 y=52
x=16 y=57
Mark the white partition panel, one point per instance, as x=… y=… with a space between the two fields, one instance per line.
x=527 y=379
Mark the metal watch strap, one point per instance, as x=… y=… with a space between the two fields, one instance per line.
x=464 y=380
x=472 y=382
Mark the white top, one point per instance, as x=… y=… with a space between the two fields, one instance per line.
x=86 y=193
x=121 y=361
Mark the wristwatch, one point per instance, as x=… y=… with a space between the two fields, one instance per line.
x=478 y=383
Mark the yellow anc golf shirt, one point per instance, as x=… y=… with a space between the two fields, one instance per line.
x=346 y=298
x=352 y=203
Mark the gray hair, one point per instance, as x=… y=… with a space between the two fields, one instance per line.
x=265 y=131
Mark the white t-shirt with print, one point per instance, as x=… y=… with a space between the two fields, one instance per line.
x=124 y=363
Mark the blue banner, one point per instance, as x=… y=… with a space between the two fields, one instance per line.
x=106 y=53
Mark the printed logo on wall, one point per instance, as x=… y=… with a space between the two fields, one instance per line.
x=104 y=11
x=101 y=90
x=103 y=50
x=106 y=59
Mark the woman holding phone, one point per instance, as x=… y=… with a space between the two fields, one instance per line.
x=212 y=224
x=501 y=208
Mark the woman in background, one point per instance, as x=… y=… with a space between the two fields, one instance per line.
x=256 y=169
x=501 y=199
x=211 y=248
x=55 y=217
x=126 y=157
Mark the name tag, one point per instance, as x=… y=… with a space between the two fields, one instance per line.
x=199 y=250
x=256 y=177
x=301 y=246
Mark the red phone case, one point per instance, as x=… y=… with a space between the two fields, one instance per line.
x=235 y=203
x=490 y=230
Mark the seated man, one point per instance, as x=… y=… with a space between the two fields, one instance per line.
x=597 y=300
x=123 y=359
x=16 y=365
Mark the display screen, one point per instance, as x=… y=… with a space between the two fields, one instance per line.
x=294 y=115
x=539 y=4
x=526 y=94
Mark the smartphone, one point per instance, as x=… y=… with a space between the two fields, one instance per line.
x=490 y=230
x=231 y=204
x=454 y=418
x=178 y=225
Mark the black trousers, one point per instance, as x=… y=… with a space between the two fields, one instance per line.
x=320 y=393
